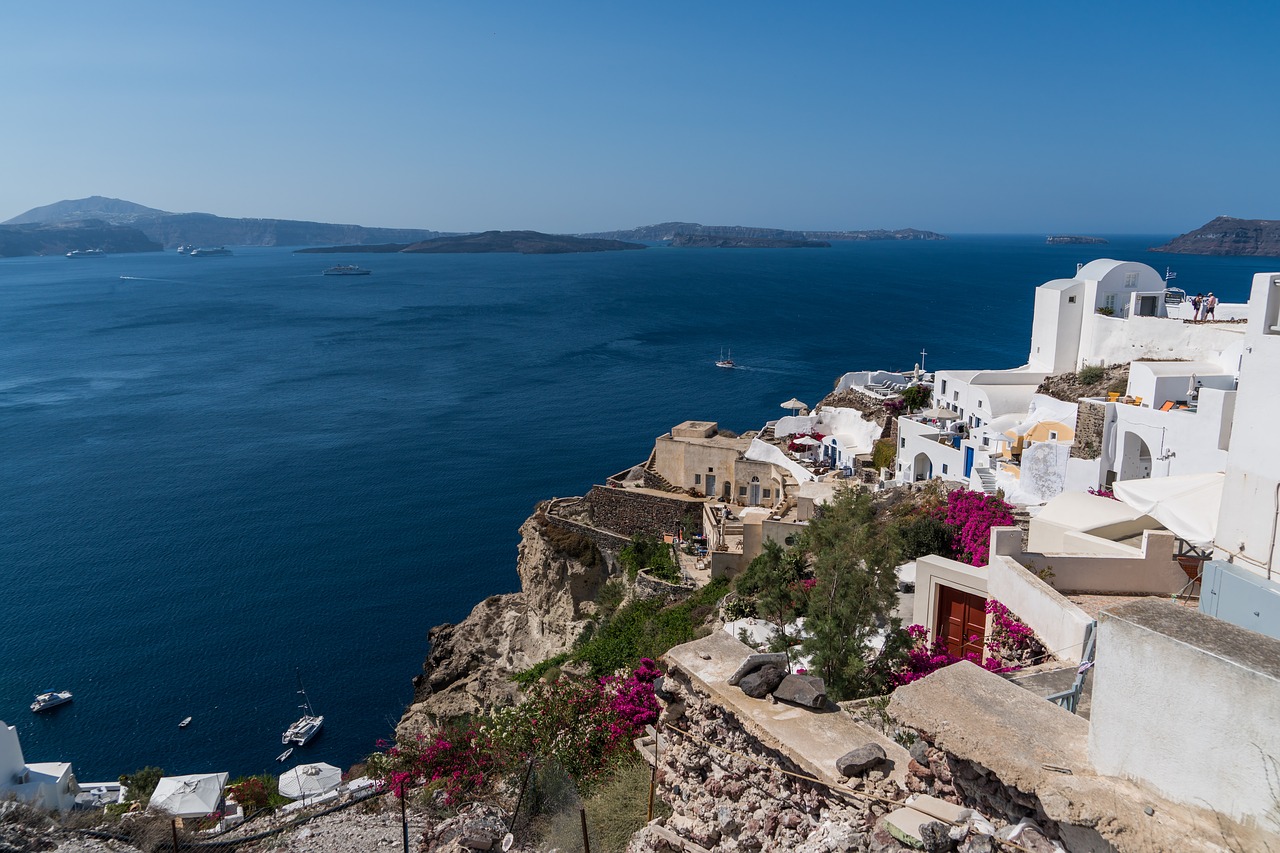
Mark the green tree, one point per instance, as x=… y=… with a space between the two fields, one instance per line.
x=773 y=580
x=649 y=552
x=855 y=593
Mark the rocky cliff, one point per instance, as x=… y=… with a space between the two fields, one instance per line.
x=470 y=663
x=1226 y=235
x=673 y=230
x=60 y=238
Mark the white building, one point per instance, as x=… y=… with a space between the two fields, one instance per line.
x=47 y=785
x=1249 y=520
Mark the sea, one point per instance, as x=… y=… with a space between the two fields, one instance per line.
x=220 y=475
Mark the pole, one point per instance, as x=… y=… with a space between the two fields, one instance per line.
x=586 y=842
x=404 y=819
x=173 y=824
x=520 y=799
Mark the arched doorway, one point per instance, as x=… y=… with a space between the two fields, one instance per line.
x=753 y=492
x=1135 y=458
x=923 y=467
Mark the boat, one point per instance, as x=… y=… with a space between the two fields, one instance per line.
x=184 y=249
x=185 y=722
x=208 y=253
x=86 y=253
x=726 y=362
x=346 y=269
x=50 y=699
x=307 y=726
x=282 y=756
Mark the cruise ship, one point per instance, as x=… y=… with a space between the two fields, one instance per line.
x=208 y=253
x=346 y=269
x=86 y=253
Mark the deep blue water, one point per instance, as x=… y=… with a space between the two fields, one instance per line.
x=217 y=470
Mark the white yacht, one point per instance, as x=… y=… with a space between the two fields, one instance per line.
x=50 y=699
x=307 y=726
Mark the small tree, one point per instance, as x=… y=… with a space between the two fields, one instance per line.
x=855 y=593
x=775 y=580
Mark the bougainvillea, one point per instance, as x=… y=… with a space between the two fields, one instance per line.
x=972 y=515
x=1104 y=492
x=925 y=657
x=583 y=725
x=1010 y=640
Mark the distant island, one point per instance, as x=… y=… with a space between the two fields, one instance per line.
x=170 y=230
x=1226 y=235
x=706 y=241
x=18 y=241
x=1073 y=240
x=671 y=231
x=522 y=242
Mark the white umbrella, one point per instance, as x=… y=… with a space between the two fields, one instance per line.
x=308 y=780
x=939 y=414
x=195 y=795
x=808 y=441
x=793 y=403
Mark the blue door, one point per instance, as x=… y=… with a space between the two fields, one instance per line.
x=968 y=461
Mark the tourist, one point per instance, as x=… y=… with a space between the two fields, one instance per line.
x=1196 y=302
x=1210 y=302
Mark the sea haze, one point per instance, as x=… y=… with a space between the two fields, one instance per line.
x=219 y=470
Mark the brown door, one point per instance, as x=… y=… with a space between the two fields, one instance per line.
x=962 y=621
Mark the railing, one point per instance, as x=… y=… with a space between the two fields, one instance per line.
x=1070 y=699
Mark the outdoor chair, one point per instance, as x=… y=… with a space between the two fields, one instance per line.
x=1137 y=401
x=1168 y=405
x=1112 y=396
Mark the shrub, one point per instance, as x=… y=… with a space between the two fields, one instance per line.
x=1107 y=311
x=649 y=552
x=972 y=515
x=615 y=811
x=883 y=454
x=917 y=397
x=574 y=545
x=1091 y=374
x=141 y=783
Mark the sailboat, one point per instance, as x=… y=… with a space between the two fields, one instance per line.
x=307 y=726
x=726 y=362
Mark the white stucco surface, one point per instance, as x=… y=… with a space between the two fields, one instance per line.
x=762 y=451
x=1058 y=623
x=1190 y=706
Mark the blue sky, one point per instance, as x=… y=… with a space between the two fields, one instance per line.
x=1004 y=117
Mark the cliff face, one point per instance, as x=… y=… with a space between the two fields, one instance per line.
x=1226 y=235
x=470 y=663
x=19 y=240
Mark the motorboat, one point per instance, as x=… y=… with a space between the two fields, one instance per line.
x=284 y=755
x=307 y=726
x=208 y=253
x=726 y=361
x=87 y=253
x=346 y=269
x=50 y=699
x=185 y=722
x=185 y=248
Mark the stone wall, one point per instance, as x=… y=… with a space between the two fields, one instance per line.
x=605 y=540
x=1090 y=419
x=629 y=513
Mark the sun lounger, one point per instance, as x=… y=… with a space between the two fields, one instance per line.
x=1168 y=405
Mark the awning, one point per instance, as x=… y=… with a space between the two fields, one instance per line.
x=195 y=795
x=1186 y=504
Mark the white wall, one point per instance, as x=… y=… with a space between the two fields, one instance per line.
x=1116 y=340
x=1058 y=623
x=1190 y=706
x=1249 y=520
x=1055 y=326
x=1192 y=442
x=915 y=438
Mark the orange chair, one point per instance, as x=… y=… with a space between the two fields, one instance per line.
x=1168 y=405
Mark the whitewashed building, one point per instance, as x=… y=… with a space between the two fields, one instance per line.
x=49 y=785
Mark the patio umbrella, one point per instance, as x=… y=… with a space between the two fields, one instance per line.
x=195 y=795
x=793 y=403
x=309 y=780
x=808 y=441
x=939 y=414
x=1187 y=504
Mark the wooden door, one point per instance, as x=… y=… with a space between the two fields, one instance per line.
x=962 y=621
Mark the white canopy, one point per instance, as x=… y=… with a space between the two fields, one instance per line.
x=1187 y=504
x=308 y=780
x=762 y=451
x=793 y=403
x=808 y=441
x=195 y=795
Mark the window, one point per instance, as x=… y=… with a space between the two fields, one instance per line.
x=904 y=441
x=1053 y=435
x=1071 y=299
x=1110 y=301
x=955 y=395
x=985 y=441
x=711 y=470
x=790 y=540
x=766 y=493
x=944 y=467
x=944 y=386
x=1130 y=280
x=697 y=479
x=742 y=491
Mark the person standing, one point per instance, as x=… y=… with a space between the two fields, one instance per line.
x=1210 y=302
x=1196 y=302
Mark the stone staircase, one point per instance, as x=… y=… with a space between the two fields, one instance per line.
x=988 y=479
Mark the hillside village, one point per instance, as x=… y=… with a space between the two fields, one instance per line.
x=1138 y=553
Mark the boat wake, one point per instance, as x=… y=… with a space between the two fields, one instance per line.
x=144 y=278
